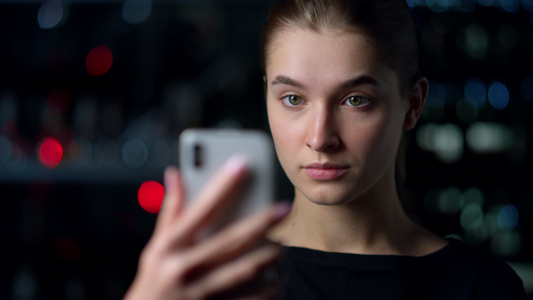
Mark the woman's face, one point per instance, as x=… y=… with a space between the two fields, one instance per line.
x=336 y=114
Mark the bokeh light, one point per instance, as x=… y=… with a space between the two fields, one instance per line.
x=150 y=196
x=477 y=41
x=439 y=5
x=413 y=3
x=509 y=5
x=487 y=2
x=50 y=14
x=81 y=151
x=99 y=60
x=507 y=217
x=472 y=217
x=473 y=195
x=25 y=283
x=50 y=152
x=450 y=201
x=445 y=140
x=17 y=160
x=425 y=136
x=135 y=153
x=475 y=92
x=491 y=222
x=485 y=137
x=136 y=11
x=498 y=95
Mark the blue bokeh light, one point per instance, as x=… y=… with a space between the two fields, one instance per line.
x=136 y=11
x=50 y=14
x=486 y=2
x=413 y=3
x=475 y=93
x=508 y=217
x=510 y=5
x=498 y=95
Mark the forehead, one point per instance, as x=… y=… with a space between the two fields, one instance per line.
x=324 y=56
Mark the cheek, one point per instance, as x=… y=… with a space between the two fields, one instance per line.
x=276 y=126
x=285 y=133
x=375 y=139
x=282 y=132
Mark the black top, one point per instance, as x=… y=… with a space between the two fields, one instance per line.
x=454 y=272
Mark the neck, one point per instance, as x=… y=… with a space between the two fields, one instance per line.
x=374 y=223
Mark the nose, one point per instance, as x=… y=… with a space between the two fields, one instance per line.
x=322 y=134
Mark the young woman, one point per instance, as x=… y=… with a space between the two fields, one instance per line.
x=342 y=85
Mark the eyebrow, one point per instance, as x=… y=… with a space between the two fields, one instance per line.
x=280 y=79
x=351 y=83
x=361 y=80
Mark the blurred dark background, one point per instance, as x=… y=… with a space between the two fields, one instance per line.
x=94 y=93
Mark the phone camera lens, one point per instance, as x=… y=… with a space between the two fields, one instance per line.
x=198 y=156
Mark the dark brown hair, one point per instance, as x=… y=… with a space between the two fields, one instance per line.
x=388 y=24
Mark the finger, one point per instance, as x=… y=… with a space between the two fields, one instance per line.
x=174 y=198
x=235 y=274
x=236 y=239
x=220 y=189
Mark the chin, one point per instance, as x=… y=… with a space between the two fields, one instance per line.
x=327 y=197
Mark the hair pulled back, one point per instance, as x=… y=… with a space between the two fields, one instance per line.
x=388 y=24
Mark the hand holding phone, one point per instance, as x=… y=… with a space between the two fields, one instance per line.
x=176 y=265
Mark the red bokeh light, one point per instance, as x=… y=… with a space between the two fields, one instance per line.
x=50 y=152
x=99 y=60
x=151 y=195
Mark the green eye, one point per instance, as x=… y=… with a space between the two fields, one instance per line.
x=293 y=100
x=356 y=100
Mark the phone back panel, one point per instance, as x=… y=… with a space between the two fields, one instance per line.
x=203 y=151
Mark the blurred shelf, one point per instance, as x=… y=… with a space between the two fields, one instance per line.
x=33 y=171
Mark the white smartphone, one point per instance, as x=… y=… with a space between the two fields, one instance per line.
x=203 y=151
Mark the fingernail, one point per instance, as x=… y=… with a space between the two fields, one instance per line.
x=281 y=209
x=236 y=164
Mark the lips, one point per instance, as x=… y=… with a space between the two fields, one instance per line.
x=325 y=171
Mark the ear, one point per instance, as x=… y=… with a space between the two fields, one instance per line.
x=416 y=103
